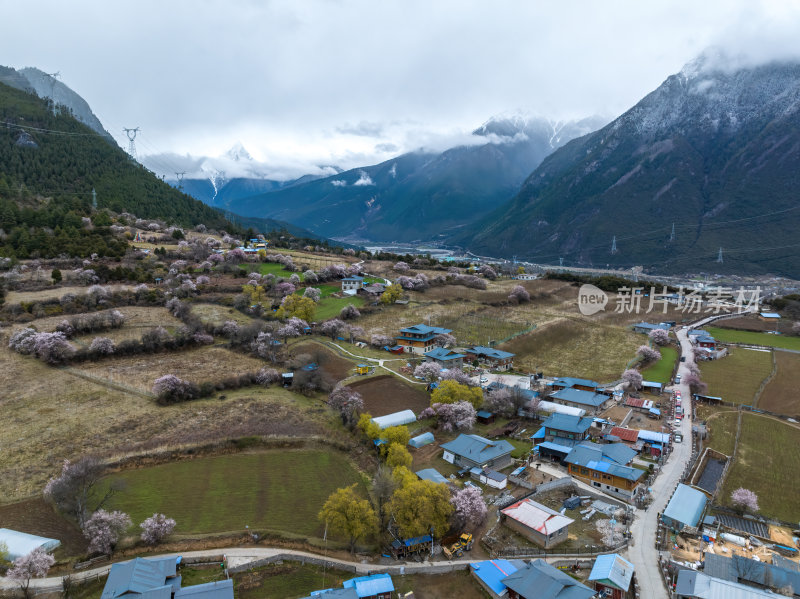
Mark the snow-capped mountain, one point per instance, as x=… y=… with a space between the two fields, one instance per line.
x=715 y=149
x=421 y=195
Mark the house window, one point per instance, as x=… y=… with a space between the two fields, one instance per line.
x=584 y=471
x=595 y=475
x=598 y=485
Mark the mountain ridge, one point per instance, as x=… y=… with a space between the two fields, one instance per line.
x=707 y=147
x=419 y=195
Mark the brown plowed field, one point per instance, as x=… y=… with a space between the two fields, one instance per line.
x=387 y=394
x=780 y=395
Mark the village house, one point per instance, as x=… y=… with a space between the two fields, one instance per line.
x=468 y=451
x=606 y=467
x=489 y=477
x=685 y=508
x=769 y=316
x=566 y=429
x=526 y=277
x=420 y=338
x=351 y=285
x=372 y=291
x=446 y=358
x=157 y=578
x=588 y=400
x=375 y=586
x=490 y=575
x=569 y=382
x=647 y=328
x=543 y=526
x=612 y=575
x=697 y=585
x=493 y=358
x=540 y=580
x=702 y=339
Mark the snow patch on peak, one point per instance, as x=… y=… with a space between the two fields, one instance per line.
x=238 y=152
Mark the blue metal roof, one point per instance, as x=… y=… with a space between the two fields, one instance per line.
x=490 y=352
x=612 y=570
x=220 y=589
x=569 y=381
x=543 y=581
x=492 y=572
x=423 y=329
x=369 y=586
x=568 y=423
x=555 y=447
x=769 y=315
x=353 y=278
x=477 y=448
x=431 y=474
x=440 y=353
x=579 y=396
x=538 y=434
x=605 y=458
x=483 y=414
x=686 y=506
x=139 y=576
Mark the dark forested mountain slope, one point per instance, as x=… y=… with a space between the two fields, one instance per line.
x=714 y=151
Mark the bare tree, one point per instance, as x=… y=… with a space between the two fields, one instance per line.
x=76 y=491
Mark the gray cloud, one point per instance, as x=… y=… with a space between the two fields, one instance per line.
x=362 y=129
x=283 y=77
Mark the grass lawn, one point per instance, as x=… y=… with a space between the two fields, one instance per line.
x=521 y=448
x=737 y=376
x=216 y=314
x=733 y=336
x=279 y=491
x=768 y=463
x=661 y=371
x=329 y=307
x=721 y=429
x=270 y=268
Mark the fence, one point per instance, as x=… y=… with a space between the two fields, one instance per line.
x=531 y=552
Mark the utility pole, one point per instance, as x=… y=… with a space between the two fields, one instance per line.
x=131 y=133
x=719 y=256
x=180 y=179
x=614 y=245
x=53 y=79
x=672 y=235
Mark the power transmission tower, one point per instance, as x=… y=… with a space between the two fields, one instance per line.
x=719 y=256
x=131 y=133
x=672 y=235
x=94 y=199
x=561 y=262
x=614 y=245
x=53 y=78
x=180 y=179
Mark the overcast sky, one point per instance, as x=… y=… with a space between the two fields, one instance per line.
x=309 y=82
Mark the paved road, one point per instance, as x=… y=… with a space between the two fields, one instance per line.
x=642 y=553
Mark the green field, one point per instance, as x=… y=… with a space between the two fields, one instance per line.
x=329 y=307
x=270 y=268
x=768 y=463
x=279 y=491
x=661 y=371
x=750 y=337
x=737 y=376
x=721 y=429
